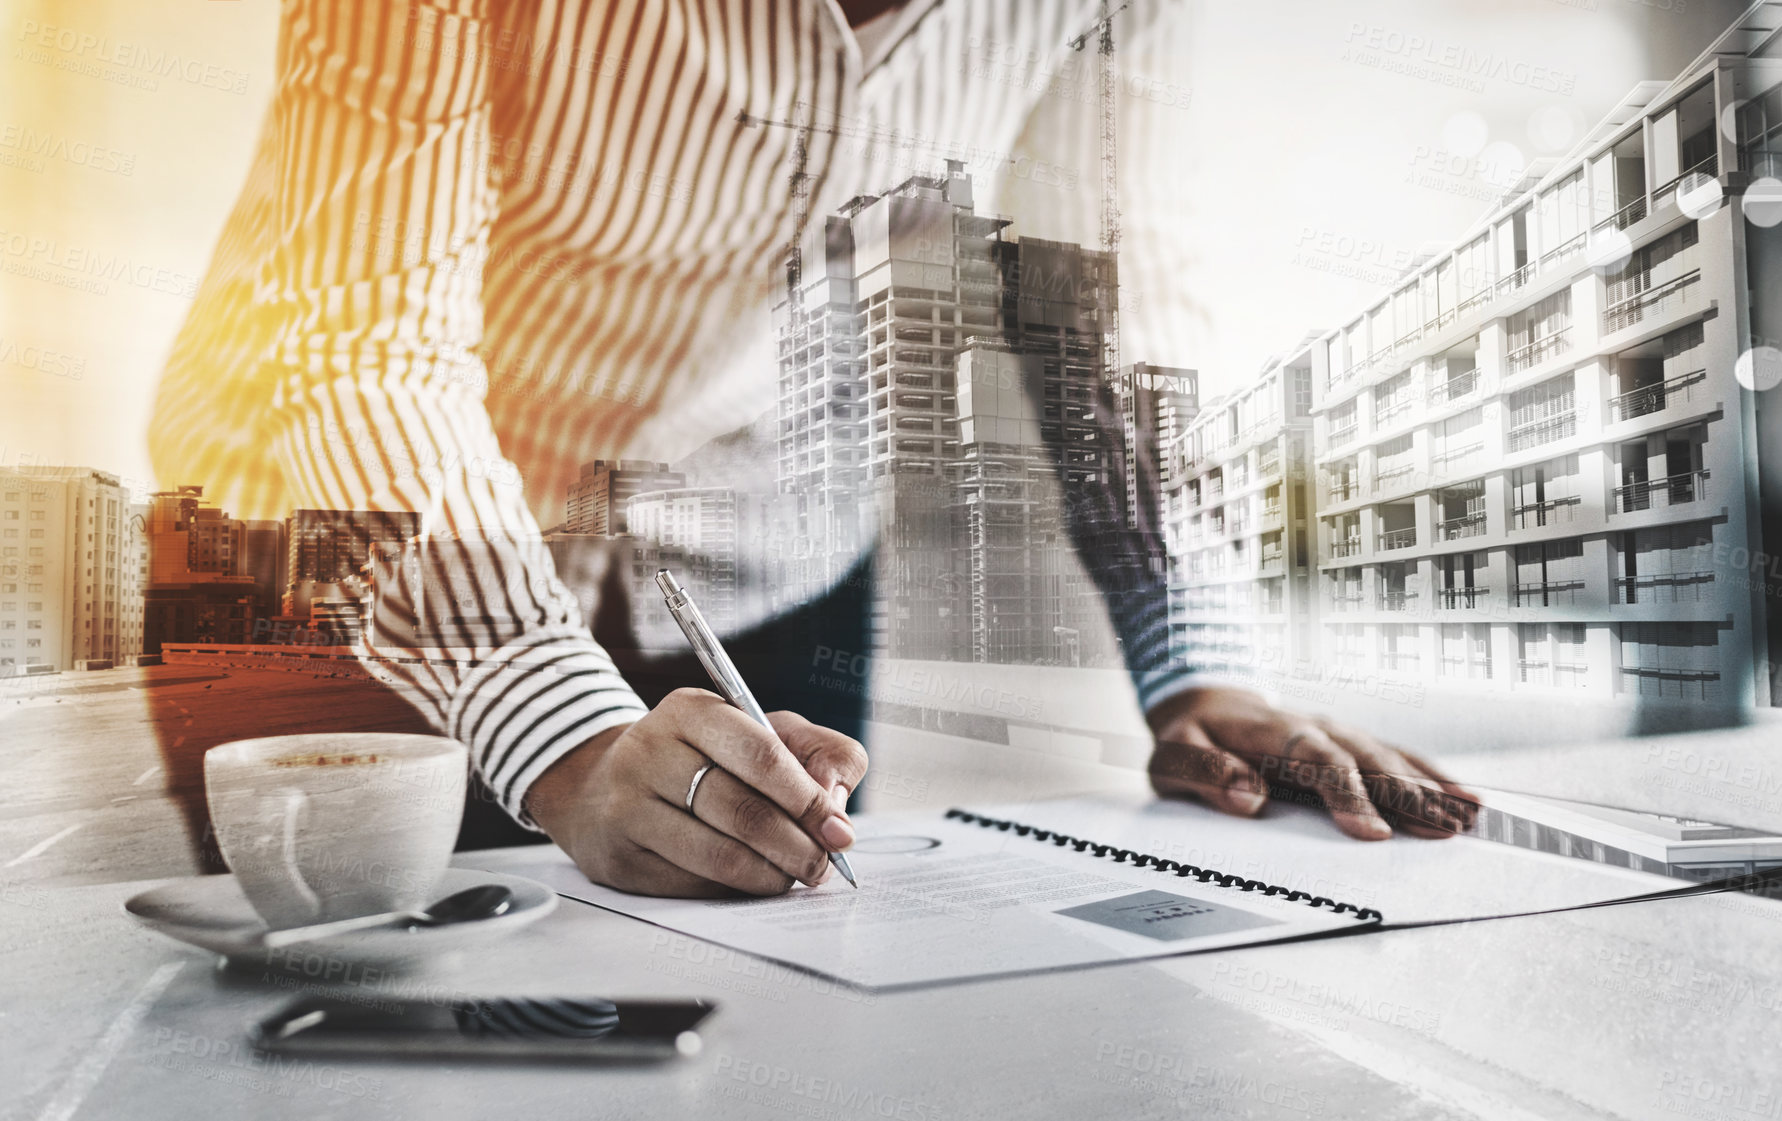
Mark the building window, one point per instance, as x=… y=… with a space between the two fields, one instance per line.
x=1549 y=573
x=1656 y=276
x=1543 y=413
x=1392 y=397
x=1466 y=651
x=1462 y=584
x=1544 y=494
x=1398 y=646
x=1551 y=654
x=1349 y=645
x=1394 y=462
x=1460 y=443
x=1539 y=333
x=1661 y=470
x=1677 y=660
x=1664 y=564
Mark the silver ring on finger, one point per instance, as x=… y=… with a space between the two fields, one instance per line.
x=693 y=787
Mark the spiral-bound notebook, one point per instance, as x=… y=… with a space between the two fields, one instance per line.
x=971 y=895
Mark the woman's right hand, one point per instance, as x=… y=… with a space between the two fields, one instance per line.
x=767 y=814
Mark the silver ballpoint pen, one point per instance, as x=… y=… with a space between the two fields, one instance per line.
x=723 y=671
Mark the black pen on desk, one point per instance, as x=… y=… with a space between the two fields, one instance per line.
x=723 y=671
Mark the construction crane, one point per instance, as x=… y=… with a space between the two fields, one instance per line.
x=1101 y=31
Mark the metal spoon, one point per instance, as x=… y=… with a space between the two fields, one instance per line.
x=482 y=902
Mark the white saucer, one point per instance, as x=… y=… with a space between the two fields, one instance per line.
x=211 y=912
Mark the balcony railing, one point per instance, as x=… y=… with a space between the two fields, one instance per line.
x=1396 y=539
x=1656 y=494
x=1689 y=684
x=1650 y=399
x=1534 y=353
x=1540 y=672
x=1386 y=410
x=1668 y=587
x=1344 y=434
x=1653 y=301
x=1623 y=218
x=1349 y=547
x=1454 y=388
x=1399 y=659
x=1475 y=301
x=1397 y=599
x=1392 y=474
x=1709 y=167
x=1516 y=280
x=1561 y=252
x=1546 y=593
x=1467 y=525
x=1345 y=601
x=1344 y=491
x=1544 y=431
x=1459 y=459
x=1467 y=597
x=1464 y=667
x=1271 y=517
x=1554 y=511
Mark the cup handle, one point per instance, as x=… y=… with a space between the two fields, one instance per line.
x=295 y=801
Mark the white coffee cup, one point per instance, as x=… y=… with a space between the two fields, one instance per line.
x=334 y=825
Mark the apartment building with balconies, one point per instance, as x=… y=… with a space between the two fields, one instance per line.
x=1238 y=522
x=1533 y=455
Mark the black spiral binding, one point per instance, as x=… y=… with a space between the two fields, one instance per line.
x=1141 y=859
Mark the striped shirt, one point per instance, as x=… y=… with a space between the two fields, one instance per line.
x=485 y=241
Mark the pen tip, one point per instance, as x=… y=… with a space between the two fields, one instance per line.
x=841 y=865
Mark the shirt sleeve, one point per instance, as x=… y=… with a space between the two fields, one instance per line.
x=382 y=208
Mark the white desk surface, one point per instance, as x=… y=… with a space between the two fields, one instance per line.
x=1651 y=1010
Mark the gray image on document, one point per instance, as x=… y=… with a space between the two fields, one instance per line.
x=1166 y=917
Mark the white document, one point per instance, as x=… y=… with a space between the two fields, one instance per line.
x=1407 y=879
x=947 y=900
x=942 y=900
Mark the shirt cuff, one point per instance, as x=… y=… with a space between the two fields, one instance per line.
x=533 y=701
